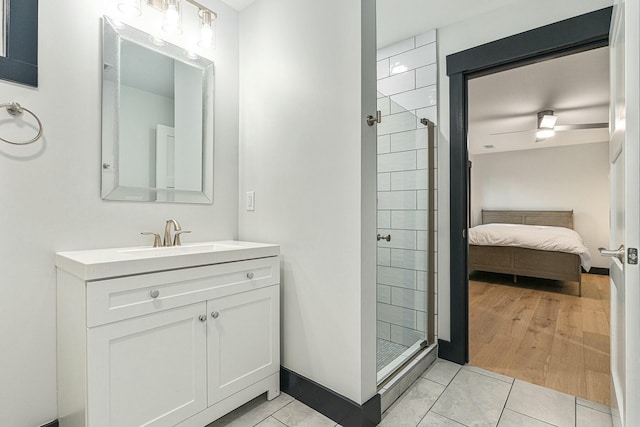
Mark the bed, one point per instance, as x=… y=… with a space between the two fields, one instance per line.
x=523 y=261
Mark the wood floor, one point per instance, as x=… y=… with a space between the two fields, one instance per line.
x=540 y=331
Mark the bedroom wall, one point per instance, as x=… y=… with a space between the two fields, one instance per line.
x=560 y=178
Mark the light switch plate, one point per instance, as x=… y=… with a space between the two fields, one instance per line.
x=251 y=200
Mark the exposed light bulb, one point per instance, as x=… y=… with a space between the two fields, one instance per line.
x=207 y=28
x=206 y=36
x=172 y=18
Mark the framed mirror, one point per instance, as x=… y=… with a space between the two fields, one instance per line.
x=157 y=119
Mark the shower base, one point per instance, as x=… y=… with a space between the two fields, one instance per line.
x=387 y=352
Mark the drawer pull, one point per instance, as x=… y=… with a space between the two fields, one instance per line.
x=215 y=314
x=203 y=317
x=154 y=293
x=250 y=276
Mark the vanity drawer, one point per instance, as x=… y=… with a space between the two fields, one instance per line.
x=122 y=298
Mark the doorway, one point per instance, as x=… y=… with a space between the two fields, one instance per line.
x=532 y=314
x=574 y=35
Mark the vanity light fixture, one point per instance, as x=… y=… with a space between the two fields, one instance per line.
x=130 y=7
x=172 y=17
x=207 y=27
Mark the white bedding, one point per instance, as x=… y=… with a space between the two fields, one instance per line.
x=558 y=239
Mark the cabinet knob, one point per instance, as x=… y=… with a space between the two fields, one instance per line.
x=250 y=276
x=203 y=317
x=154 y=293
x=215 y=314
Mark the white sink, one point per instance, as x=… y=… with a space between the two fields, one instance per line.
x=105 y=263
x=177 y=250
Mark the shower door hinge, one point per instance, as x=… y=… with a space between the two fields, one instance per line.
x=373 y=120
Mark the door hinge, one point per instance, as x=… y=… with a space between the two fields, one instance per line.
x=632 y=256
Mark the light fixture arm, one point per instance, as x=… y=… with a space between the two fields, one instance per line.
x=202 y=9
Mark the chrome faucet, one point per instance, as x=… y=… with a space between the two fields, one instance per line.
x=176 y=237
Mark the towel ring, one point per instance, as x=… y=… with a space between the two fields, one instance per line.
x=16 y=110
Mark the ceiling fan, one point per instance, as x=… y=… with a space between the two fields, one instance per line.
x=547 y=126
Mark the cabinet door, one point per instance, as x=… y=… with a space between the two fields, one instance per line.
x=243 y=340
x=149 y=370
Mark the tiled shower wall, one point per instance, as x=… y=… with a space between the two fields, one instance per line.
x=407 y=92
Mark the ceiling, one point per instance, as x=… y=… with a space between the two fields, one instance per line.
x=238 y=4
x=398 y=20
x=576 y=87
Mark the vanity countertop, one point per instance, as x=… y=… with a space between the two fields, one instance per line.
x=115 y=262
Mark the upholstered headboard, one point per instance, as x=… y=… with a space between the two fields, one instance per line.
x=552 y=218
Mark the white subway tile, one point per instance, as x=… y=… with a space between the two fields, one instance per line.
x=421 y=281
x=409 y=220
x=384 y=330
x=430 y=113
x=396 y=315
x=426 y=38
x=427 y=76
x=384 y=257
x=392 y=162
x=384 y=294
x=409 y=180
x=415 y=58
x=384 y=181
x=398 y=83
x=384 y=219
x=397 y=200
x=407 y=336
x=397 y=123
x=401 y=239
x=422 y=159
x=396 y=277
x=384 y=144
x=422 y=200
x=380 y=95
x=421 y=321
x=384 y=105
x=412 y=260
x=396 y=108
x=422 y=241
x=382 y=68
x=409 y=298
x=396 y=48
x=417 y=99
x=410 y=140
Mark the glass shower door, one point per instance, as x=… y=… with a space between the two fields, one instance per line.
x=405 y=257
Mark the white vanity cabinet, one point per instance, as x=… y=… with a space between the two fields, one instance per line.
x=165 y=348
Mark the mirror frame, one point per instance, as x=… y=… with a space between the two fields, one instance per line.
x=112 y=35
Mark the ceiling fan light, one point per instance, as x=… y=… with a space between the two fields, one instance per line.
x=545 y=133
x=548 y=121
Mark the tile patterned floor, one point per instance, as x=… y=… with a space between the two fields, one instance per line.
x=387 y=351
x=447 y=395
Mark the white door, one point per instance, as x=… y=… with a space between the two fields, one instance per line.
x=625 y=215
x=149 y=370
x=243 y=340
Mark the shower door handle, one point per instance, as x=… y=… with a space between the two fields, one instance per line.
x=387 y=237
x=373 y=120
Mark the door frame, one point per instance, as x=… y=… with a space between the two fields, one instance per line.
x=574 y=35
